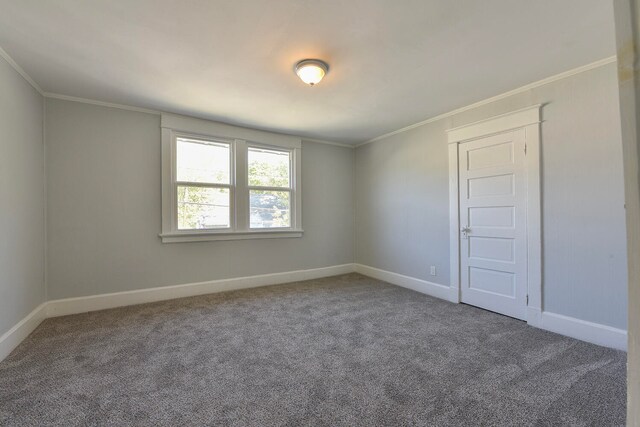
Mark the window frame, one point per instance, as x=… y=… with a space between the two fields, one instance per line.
x=239 y=190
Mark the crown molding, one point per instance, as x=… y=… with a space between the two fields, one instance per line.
x=322 y=141
x=19 y=70
x=157 y=112
x=521 y=89
x=62 y=97
x=100 y=103
x=556 y=77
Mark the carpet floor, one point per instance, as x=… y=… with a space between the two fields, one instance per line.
x=339 y=351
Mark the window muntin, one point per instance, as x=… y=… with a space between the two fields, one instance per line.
x=203 y=184
x=269 y=177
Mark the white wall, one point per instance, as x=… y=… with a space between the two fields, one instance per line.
x=402 y=197
x=103 y=168
x=21 y=198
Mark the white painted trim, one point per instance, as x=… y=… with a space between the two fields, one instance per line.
x=534 y=317
x=191 y=125
x=158 y=112
x=454 y=223
x=322 y=141
x=296 y=202
x=20 y=70
x=579 y=329
x=551 y=79
x=534 y=217
x=583 y=330
x=179 y=237
x=521 y=89
x=418 y=285
x=14 y=336
x=239 y=225
x=62 y=307
x=528 y=119
x=77 y=305
x=497 y=124
x=100 y=103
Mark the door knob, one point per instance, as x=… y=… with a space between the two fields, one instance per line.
x=465 y=232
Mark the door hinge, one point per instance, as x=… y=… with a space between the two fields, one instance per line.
x=525 y=149
x=527 y=299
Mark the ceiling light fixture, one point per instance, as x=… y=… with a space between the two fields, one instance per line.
x=311 y=71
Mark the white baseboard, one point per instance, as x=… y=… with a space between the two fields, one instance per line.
x=63 y=307
x=419 y=285
x=595 y=333
x=10 y=340
x=14 y=336
x=534 y=317
x=564 y=325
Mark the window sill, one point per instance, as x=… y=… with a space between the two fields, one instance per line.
x=206 y=236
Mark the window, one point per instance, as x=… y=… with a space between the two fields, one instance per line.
x=203 y=184
x=269 y=188
x=224 y=188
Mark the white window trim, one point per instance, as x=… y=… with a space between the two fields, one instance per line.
x=174 y=126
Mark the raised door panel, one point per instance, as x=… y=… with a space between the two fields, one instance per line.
x=492 y=214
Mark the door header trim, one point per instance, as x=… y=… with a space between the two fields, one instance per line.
x=497 y=124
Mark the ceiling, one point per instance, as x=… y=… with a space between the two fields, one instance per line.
x=392 y=63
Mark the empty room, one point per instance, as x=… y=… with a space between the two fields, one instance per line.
x=319 y=213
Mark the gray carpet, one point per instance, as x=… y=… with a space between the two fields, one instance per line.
x=340 y=351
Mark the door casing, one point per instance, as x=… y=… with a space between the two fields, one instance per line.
x=529 y=120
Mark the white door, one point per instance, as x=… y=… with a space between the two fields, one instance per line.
x=493 y=235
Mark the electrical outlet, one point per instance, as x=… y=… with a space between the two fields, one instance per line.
x=433 y=270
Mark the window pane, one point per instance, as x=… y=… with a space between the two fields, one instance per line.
x=270 y=209
x=202 y=161
x=268 y=168
x=202 y=207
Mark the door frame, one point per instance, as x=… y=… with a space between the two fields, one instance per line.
x=529 y=119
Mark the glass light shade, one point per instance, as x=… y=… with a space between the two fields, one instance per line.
x=311 y=71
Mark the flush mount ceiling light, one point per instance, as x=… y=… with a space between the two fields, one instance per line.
x=311 y=71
